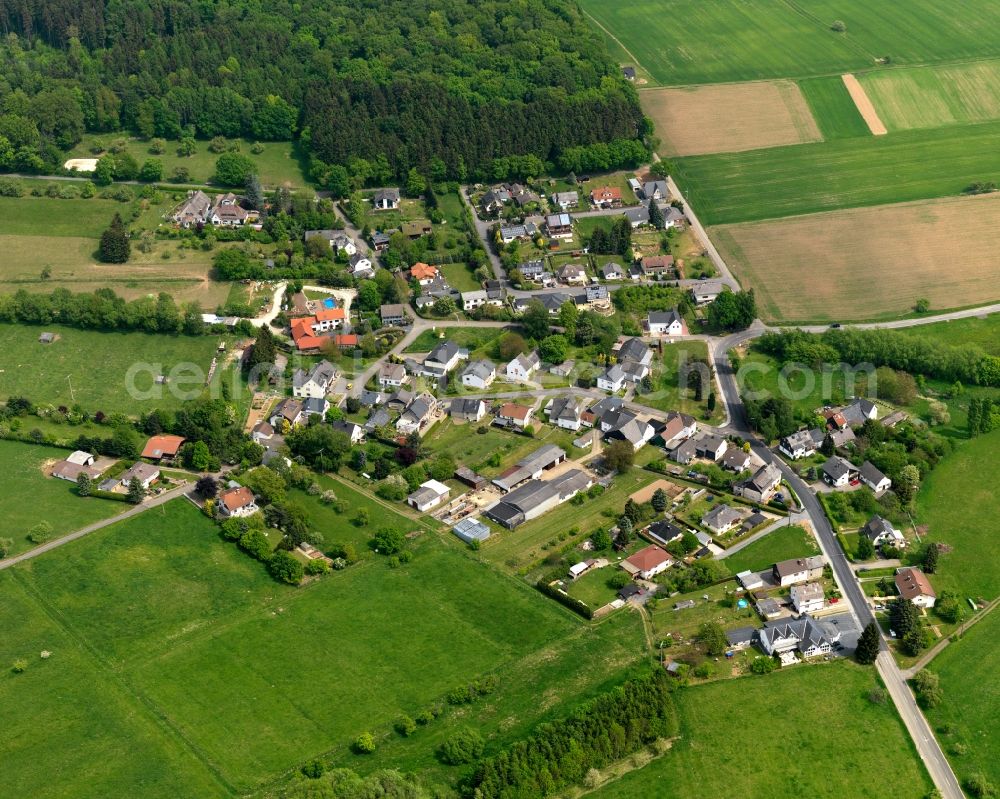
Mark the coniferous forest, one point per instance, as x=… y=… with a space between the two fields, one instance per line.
x=376 y=87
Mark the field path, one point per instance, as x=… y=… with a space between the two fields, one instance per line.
x=864 y=105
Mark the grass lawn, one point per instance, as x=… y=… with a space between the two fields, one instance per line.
x=28 y=497
x=667 y=394
x=971 y=700
x=531 y=541
x=959 y=504
x=478 y=340
x=853 y=172
x=983 y=332
x=277 y=165
x=784 y=543
x=760 y=375
x=91 y=367
x=682 y=625
x=592 y=588
x=460 y=277
x=832 y=108
x=468 y=447
x=191 y=631
x=835 y=758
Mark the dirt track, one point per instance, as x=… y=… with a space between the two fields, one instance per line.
x=864 y=105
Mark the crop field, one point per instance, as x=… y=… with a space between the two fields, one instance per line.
x=729 y=117
x=959 y=503
x=845 y=173
x=278 y=164
x=203 y=647
x=971 y=703
x=832 y=108
x=834 y=759
x=91 y=367
x=781 y=544
x=941 y=250
x=53 y=501
x=934 y=96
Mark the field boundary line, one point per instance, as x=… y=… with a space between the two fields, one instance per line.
x=117 y=676
x=617 y=41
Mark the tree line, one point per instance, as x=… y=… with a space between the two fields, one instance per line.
x=446 y=86
x=560 y=754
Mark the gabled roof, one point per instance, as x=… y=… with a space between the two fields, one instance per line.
x=633 y=349
x=511 y=410
x=236 y=498
x=665 y=317
x=443 y=352
x=648 y=558
x=481 y=369
x=912 y=583
x=721 y=516
x=162 y=446
x=870 y=473
x=836 y=467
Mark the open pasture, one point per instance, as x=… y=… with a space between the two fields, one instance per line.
x=845 y=173
x=834 y=758
x=254 y=678
x=821 y=267
x=934 y=96
x=729 y=117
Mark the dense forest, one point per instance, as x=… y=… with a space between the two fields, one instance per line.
x=446 y=86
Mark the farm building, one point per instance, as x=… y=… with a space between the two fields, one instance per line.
x=470 y=530
x=535 y=497
x=429 y=495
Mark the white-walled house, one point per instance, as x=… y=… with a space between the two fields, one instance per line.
x=666 y=323
x=521 y=368
x=238 y=502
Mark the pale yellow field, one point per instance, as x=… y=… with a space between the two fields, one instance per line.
x=869 y=263
x=729 y=117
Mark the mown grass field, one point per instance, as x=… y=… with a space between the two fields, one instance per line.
x=820 y=266
x=478 y=340
x=782 y=544
x=959 y=504
x=971 y=703
x=832 y=107
x=984 y=332
x=844 y=173
x=729 y=117
x=667 y=394
x=277 y=165
x=28 y=496
x=254 y=678
x=91 y=367
x=934 y=96
x=833 y=758
x=727 y=41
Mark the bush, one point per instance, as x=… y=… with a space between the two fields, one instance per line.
x=763 y=665
x=364 y=744
x=255 y=543
x=286 y=568
x=388 y=541
x=463 y=746
x=40 y=533
x=979 y=787
x=405 y=726
x=317 y=566
x=20 y=666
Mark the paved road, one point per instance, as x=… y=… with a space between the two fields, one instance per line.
x=483 y=229
x=135 y=510
x=725 y=275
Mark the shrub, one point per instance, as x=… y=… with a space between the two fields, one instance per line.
x=763 y=665
x=462 y=747
x=364 y=744
x=405 y=726
x=979 y=787
x=255 y=543
x=19 y=666
x=40 y=533
x=286 y=568
x=388 y=541
x=314 y=770
x=318 y=566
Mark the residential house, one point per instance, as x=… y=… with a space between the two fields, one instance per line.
x=392 y=375
x=612 y=271
x=807 y=598
x=801 y=444
x=361 y=266
x=873 y=478
x=740 y=638
x=236 y=502
x=379 y=418
x=721 y=519
x=379 y=241
x=655 y=190
x=628 y=73
x=634 y=431
x=711 y=447
x=596 y=294
x=559 y=226
x=315 y=406
x=663 y=532
x=673 y=217
x=386 y=199
x=474 y=299
x=494 y=200
x=162 y=447
x=566 y=199
x=859 y=412
x=648 y=562
x=415 y=228
x=525 y=230
x=565 y=412
x=736 y=460
x=678 y=426
x=912 y=584
x=842 y=438
x=467 y=410
x=317 y=382
x=633 y=349
x=762 y=486
x=352 y=430
x=880 y=532
x=533 y=270
x=424 y=274
x=428 y=495
x=838 y=472
x=226 y=211
x=329 y=236
x=262 y=432
x=194 y=210
x=637 y=216
x=684 y=452
x=522 y=195
x=798 y=570
x=442 y=359
x=479 y=375
x=399 y=399
x=572 y=274
x=611 y=379
x=606 y=197
x=287 y=411
x=705 y=291
x=802 y=635
x=666 y=323
x=79 y=462
x=143 y=472
x=521 y=368
x=511 y=414
x=535 y=497
x=417 y=415
x=654 y=266
x=530 y=467
x=393 y=315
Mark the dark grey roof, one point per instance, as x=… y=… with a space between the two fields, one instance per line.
x=665 y=317
x=663 y=531
x=720 y=516
x=740 y=636
x=443 y=352
x=870 y=473
x=836 y=467
x=632 y=349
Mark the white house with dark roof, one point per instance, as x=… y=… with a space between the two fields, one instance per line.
x=392 y=374
x=802 y=635
x=479 y=375
x=879 y=531
x=417 y=414
x=873 y=478
x=666 y=323
x=315 y=383
x=521 y=368
x=705 y=291
x=442 y=359
x=838 y=472
x=721 y=519
x=565 y=412
x=798 y=570
x=611 y=379
x=807 y=598
x=761 y=486
x=386 y=199
x=801 y=444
